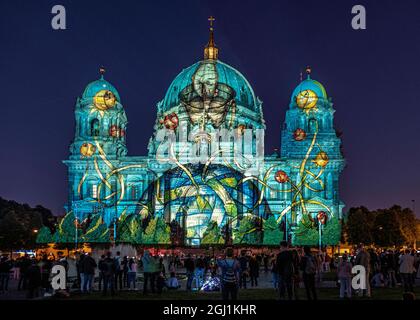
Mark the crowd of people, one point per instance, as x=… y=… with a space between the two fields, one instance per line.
x=290 y=267
x=32 y=275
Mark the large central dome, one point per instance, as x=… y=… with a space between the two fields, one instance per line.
x=244 y=95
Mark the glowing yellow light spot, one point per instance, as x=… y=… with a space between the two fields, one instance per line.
x=104 y=100
x=87 y=149
x=306 y=99
x=321 y=159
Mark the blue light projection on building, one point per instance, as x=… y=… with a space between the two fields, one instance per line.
x=205 y=180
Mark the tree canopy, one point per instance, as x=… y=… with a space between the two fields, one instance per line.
x=20 y=224
x=394 y=226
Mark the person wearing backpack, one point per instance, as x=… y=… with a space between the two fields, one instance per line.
x=309 y=269
x=89 y=266
x=285 y=271
x=149 y=270
x=230 y=269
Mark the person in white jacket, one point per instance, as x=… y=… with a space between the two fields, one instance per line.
x=406 y=270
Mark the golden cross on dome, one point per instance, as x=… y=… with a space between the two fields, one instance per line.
x=211 y=20
x=211 y=51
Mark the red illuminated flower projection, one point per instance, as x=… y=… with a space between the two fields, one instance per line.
x=281 y=176
x=170 y=121
x=299 y=134
x=116 y=132
x=322 y=217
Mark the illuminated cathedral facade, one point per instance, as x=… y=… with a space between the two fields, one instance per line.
x=206 y=179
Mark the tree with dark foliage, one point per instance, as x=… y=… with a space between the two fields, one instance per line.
x=394 y=226
x=19 y=224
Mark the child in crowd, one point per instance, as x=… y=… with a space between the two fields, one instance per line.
x=173 y=283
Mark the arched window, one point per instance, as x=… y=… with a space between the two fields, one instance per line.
x=312 y=125
x=94 y=128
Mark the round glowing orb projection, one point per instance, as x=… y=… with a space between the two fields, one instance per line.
x=322 y=217
x=87 y=149
x=281 y=176
x=170 y=121
x=104 y=100
x=299 y=134
x=321 y=159
x=306 y=99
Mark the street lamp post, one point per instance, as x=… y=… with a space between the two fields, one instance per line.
x=286 y=235
x=320 y=234
x=75 y=226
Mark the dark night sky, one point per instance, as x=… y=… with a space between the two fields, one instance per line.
x=372 y=75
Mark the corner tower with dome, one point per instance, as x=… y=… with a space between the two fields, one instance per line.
x=206 y=179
